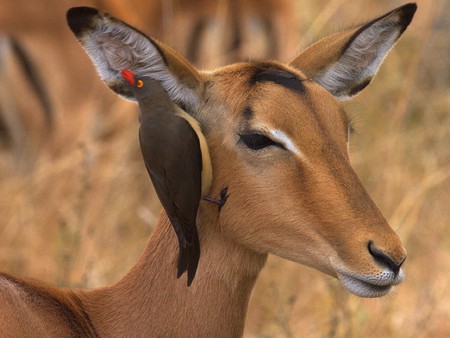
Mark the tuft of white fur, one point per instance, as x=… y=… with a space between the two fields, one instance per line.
x=285 y=140
x=376 y=284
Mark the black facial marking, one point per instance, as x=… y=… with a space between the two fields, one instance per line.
x=248 y=113
x=281 y=77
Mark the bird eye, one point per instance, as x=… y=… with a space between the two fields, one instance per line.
x=256 y=141
x=140 y=83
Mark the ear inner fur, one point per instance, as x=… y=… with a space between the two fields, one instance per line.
x=114 y=45
x=344 y=63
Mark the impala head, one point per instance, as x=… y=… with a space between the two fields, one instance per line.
x=278 y=138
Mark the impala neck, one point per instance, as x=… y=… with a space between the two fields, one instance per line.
x=151 y=301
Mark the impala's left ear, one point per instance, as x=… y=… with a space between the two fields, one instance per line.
x=344 y=63
x=114 y=46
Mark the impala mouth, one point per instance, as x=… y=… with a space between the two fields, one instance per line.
x=370 y=286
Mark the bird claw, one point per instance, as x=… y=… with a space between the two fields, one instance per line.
x=219 y=202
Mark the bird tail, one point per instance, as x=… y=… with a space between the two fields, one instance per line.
x=188 y=259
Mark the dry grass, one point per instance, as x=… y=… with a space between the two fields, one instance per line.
x=81 y=218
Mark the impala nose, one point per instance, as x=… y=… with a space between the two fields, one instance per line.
x=385 y=259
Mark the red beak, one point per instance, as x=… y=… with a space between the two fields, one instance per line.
x=129 y=76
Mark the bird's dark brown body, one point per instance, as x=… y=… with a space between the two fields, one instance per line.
x=172 y=154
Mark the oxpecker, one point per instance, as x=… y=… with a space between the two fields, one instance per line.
x=177 y=160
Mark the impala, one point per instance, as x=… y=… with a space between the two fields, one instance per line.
x=278 y=140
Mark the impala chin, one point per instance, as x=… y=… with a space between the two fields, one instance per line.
x=373 y=285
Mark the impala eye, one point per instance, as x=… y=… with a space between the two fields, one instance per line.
x=256 y=141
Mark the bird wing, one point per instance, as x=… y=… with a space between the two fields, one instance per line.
x=174 y=163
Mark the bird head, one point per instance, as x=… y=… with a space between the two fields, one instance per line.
x=147 y=90
x=144 y=87
x=131 y=78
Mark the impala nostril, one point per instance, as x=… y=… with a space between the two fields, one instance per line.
x=385 y=259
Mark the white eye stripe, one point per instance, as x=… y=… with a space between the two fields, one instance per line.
x=282 y=138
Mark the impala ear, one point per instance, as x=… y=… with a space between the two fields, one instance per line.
x=113 y=46
x=345 y=63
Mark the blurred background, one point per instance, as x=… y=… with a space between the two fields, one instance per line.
x=76 y=204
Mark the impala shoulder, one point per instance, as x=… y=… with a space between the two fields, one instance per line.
x=36 y=301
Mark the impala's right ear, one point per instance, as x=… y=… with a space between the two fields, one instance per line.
x=113 y=46
x=344 y=63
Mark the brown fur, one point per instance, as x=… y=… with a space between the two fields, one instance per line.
x=310 y=208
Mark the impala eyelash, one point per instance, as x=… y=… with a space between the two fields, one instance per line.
x=258 y=141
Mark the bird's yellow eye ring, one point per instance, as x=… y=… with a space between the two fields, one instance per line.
x=140 y=84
